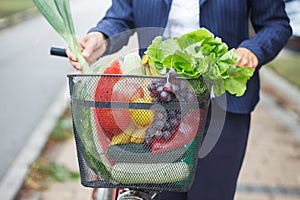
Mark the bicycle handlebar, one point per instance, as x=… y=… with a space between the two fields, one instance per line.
x=56 y=51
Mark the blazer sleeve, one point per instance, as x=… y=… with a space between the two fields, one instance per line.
x=117 y=24
x=271 y=24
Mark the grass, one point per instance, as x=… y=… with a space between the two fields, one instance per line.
x=287 y=65
x=63 y=129
x=44 y=171
x=10 y=7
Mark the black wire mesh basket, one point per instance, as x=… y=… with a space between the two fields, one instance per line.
x=141 y=132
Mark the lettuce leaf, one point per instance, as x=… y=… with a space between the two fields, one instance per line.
x=200 y=54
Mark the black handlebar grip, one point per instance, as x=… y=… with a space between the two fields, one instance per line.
x=55 y=51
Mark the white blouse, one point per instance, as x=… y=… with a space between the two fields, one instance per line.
x=183 y=17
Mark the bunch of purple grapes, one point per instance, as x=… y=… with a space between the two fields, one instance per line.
x=166 y=121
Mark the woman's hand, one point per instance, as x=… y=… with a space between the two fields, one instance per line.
x=92 y=45
x=246 y=58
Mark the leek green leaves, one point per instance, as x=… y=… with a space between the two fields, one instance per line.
x=58 y=14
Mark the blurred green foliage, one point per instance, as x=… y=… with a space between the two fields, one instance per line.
x=10 y=7
x=43 y=173
x=287 y=65
x=63 y=130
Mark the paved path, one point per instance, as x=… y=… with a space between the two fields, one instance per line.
x=271 y=170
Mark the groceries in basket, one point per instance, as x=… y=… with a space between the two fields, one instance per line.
x=144 y=132
x=144 y=128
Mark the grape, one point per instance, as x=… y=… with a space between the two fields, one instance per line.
x=155 y=100
x=168 y=87
x=148 y=141
x=158 y=124
x=151 y=88
x=150 y=132
x=164 y=95
x=166 y=122
x=172 y=113
x=160 y=89
x=156 y=81
x=153 y=94
x=158 y=134
x=170 y=98
x=172 y=73
x=178 y=116
x=174 y=122
x=168 y=126
x=166 y=135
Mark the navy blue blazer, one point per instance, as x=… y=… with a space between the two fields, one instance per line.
x=228 y=20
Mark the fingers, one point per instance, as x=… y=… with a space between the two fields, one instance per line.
x=246 y=58
x=70 y=55
x=92 y=46
x=73 y=60
x=76 y=66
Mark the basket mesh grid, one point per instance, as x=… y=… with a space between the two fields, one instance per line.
x=126 y=138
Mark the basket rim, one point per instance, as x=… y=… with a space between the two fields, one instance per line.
x=134 y=76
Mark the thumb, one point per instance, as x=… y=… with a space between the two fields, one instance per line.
x=86 y=54
x=90 y=47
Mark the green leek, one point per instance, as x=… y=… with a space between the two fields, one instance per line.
x=58 y=14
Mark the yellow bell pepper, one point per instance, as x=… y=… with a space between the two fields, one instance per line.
x=138 y=136
x=124 y=137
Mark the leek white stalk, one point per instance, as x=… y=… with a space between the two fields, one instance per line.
x=58 y=14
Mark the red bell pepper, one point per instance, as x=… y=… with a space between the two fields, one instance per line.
x=187 y=130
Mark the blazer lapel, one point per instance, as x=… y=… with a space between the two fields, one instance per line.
x=168 y=3
x=202 y=2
